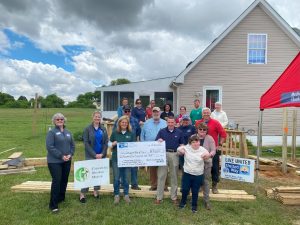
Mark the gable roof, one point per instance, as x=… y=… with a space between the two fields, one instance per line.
x=290 y=32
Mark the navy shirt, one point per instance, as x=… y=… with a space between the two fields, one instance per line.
x=187 y=131
x=139 y=114
x=98 y=141
x=172 y=139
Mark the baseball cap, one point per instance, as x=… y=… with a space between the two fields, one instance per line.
x=156 y=109
x=126 y=107
x=185 y=117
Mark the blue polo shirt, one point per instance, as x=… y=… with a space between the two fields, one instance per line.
x=98 y=141
x=187 y=131
x=173 y=139
x=139 y=114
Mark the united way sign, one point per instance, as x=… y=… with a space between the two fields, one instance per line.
x=290 y=97
x=238 y=169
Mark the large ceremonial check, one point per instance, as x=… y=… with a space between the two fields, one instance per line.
x=238 y=169
x=133 y=154
x=89 y=173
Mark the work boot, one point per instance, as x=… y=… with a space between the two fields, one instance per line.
x=207 y=205
x=214 y=188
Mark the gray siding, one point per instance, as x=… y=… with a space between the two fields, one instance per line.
x=243 y=84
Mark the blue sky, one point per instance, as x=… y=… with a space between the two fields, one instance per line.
x=25 y=49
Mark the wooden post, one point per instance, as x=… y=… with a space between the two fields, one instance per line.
x=284 y=140
x=294 y=135
x=34 y=115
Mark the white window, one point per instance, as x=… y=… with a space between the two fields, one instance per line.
x=257 y=49
x=211 y=95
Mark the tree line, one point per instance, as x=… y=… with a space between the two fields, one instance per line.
x=85 y=100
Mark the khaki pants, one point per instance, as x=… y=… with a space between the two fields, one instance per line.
x=153 y=177
x=207 y=177
x=162 y=172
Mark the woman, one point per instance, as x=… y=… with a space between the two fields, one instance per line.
x=123 y=133
x=208 y=143
x=167 y=112
x=139 y=112
x=95 y=141
x=182 y=111
x=60 y=146
x=192 y=178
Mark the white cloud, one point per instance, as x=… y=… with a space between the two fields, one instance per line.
x=4 y=43
x=22 y=77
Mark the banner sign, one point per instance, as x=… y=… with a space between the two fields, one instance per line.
x=134 y=154
x=290 y=97
x=89 y=173
x=238 y=169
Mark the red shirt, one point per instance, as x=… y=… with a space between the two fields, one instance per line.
x=215 y=129
x=148 y=112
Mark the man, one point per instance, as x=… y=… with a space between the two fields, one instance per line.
x=149 y=132
x=188 y=130
x=120 y=108
x=196 y=113
x=136 y=129
x=219 y=114
x=173 y=138
x=149 y=109
x=218 y=133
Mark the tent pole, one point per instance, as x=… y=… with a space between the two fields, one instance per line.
x=294 y=135
x=258 y=151
x=284 y=140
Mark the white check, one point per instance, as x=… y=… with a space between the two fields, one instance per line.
x=149 y=153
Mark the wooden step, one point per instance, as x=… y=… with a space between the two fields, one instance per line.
x=26 y=169
x=15 y=155
x=44 y=186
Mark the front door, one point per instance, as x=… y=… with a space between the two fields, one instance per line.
x=211 y=95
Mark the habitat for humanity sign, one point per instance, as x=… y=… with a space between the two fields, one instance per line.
x=238 y=169
x=89 y=173
x=149 y=153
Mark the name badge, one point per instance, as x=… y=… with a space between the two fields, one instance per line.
x=58 y=133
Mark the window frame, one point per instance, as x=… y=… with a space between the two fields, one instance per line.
x=266 y=49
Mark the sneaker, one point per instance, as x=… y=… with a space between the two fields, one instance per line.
x=153 y=189
x=82 y=200
x=181 y=206
x=55 y=210
x=136 y=188
x=96 y=194
x=127 y=199
x=116 y=199
x=194 y=210
x=166 y=189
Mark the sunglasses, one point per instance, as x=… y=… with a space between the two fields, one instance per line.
x=138 y=103
x=202 y=129
x=59 y=119
x=127 y=111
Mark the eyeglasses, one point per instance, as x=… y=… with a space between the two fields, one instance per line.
x=127 y=111
x=60 y=119
x=202 y=129
x=138 y=103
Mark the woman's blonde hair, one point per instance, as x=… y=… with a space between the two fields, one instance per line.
x=119 y=123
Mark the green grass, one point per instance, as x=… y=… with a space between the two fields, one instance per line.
x=32 y=208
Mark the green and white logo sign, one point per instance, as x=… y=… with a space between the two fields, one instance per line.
x=81 y=174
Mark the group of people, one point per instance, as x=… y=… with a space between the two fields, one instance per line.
x=193 y=143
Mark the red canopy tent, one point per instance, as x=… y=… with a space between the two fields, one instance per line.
x=285 y=92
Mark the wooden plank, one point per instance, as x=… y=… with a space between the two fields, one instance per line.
x=4 y=167
x=298 y=172
x=35 y=161
x=264 y=160
x=28 y=169
x=15 y=155
x=44 y=186
x=287 y=189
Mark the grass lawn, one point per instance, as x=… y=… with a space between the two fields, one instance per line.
x=28 y=208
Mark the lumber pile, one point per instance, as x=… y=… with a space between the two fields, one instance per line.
x=285 y=194
x=271 y=164
x=15 y=164
x=35 y=161
x=44 y=187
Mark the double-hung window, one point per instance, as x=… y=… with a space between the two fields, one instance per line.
x=257 y=49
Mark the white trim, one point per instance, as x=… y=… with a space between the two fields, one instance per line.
x=205 y=88
x=266 y=53
x=286 y=28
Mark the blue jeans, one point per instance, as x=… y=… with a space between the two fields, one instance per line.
x=120 y=173
x=191 y=182
x=134 y=176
